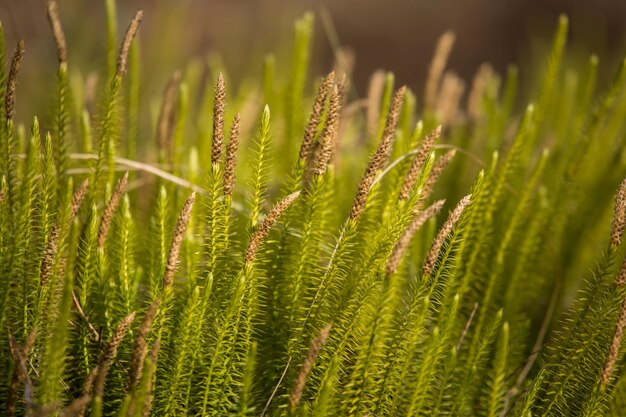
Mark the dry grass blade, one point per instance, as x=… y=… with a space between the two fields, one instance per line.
x=437 y=67
x=380 y=156
x=219 y=103
x=316 y=115
x=307 y=365
x=122 y=58
x=264 y=228
x=109 y=210
x=177 y=240
x=166 y=116
x=109 y=353
x=231 y=157
x=57 y=31
x=418 y=221
x=9 y=101
x=447 y=227
x=140 y=348
x=82 y=314
x=144 y=167
x=418 y=163
x=459 y=344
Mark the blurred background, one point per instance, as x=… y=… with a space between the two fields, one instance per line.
x=395 y=35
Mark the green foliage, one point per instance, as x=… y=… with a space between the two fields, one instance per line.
x=338 y=301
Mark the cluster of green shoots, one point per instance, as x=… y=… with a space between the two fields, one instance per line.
x=276 y=252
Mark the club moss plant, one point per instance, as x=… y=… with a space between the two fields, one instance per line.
x=286 y=248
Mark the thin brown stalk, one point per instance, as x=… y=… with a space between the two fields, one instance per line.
x=109 y=353
x=479 y=85
x=140 y=348
x=328 y=137
x=9 y=100
x=20 y=373
x=264 y=228
x=446 y=229
x=316 y=115
x=440 y=166
x=82 y=314
x=418 y=162
x=437 y=67
x=57 y=31
x=466 y=328
x=449 y=99
x=374 y=95
x=231 y=157
x=616 y=343
x=537 y=346
x=109 y=210
x=219 y=102
x=418 y=221
x=166 y=116
x=177 y=240
x=379 y=157
x=51 y=248
x=307 y=365
x=122 y=58
x=619 y=218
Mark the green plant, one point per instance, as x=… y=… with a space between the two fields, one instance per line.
x=175 y=288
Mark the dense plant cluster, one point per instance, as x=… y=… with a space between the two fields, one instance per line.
x=288 y=253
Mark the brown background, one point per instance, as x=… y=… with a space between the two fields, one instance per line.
x=397 y=35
